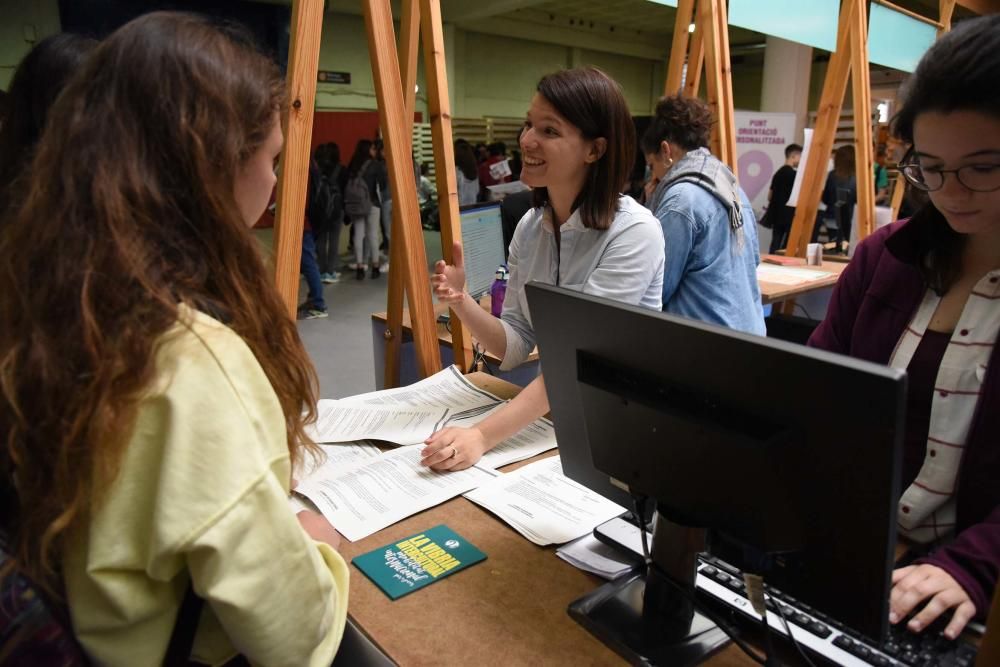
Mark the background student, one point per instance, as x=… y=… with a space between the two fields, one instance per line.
x=840 y=194
x=924 y=295
x=578 y=149
x=779 y=215
x=39 y=79
x=708 y=223
x=366 y=178
x=153 y=388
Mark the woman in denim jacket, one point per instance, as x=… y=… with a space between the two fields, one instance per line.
x=710 y=231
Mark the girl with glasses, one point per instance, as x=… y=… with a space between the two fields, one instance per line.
x=923 y=295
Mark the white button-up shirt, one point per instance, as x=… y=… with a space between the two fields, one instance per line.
x=623 y=262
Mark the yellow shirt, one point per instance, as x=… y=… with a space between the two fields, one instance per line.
x=203 y=494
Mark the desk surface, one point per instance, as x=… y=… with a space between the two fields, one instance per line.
x=510 y=609
x=774 y=292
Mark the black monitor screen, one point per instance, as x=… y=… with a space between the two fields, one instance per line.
x=773 y=445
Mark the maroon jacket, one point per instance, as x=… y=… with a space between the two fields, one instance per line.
x=872 y=303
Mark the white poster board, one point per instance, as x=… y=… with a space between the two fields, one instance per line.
x=761 y=138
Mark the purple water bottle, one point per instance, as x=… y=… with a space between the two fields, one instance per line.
x=498 y=291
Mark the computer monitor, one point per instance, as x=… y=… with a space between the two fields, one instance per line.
x=482 y=246
x=781 y=447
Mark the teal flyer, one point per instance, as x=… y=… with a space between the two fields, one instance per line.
x=417 y=561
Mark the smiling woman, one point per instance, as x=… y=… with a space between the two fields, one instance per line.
x=578 y=144
x=924 y=295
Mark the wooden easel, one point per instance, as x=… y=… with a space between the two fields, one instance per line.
x=709 y=46
x=424 y=16
x=851 y=55
x=395 y=91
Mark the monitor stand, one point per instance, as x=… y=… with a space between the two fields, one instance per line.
x=649 y=619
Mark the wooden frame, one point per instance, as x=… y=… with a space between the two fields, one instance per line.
x=439 y=108
x=397 y=131
x=831 y=101
x=709 y=46
x=303 y=63
x=679 y=45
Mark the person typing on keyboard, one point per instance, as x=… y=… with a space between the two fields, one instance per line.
x=923 y=294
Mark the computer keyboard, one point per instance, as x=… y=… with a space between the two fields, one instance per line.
x=824 y=637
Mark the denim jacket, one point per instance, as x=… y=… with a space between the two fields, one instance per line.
x=710 y=273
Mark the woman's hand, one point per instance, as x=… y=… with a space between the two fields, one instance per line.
x=318 y=528
x=448 y=280
x=454 y=448
x=916 y=583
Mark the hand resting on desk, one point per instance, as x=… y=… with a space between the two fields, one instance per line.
x=916 y=583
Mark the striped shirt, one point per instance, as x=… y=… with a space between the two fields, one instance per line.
x=926 y=510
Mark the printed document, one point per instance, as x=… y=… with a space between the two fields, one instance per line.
x=368 y=497
x=544 y=505
x=335 y=460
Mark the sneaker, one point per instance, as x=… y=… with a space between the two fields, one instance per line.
x=329 y=278
x=308 y=312
x=376 y=272
x=360 y=273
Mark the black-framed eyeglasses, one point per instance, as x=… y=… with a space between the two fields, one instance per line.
x=975 y=177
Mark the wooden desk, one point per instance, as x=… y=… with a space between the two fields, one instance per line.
x=772 y=292
x=510 y=609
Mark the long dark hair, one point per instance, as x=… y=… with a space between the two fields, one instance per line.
x=39 y=79
x=958 y=73
x=843 y=162
x=465 y=160
x=130 y=210
x=362 y=153
x=593 y=102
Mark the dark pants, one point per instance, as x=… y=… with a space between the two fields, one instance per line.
x=779 y=238
x=310 y=270
x=328 y=246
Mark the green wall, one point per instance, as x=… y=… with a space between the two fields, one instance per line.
x=17 y=17
x=493 y=75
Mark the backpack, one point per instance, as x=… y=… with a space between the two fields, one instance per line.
x=36 y=631
x=328 y=200
x=357 y=198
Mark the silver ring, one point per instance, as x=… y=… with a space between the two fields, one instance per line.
x=454 y=452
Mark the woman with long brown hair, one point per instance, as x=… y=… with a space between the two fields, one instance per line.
x=152 y=390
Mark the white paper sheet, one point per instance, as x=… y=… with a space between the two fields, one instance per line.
x=369 y=497
x=591 y=555
x=543 y=504
x=445 y=389
x=501 y=190
x=341 y=421
x=533 y=439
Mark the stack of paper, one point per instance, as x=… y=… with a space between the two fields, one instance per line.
x=544 y=505
x=404 y=416
x=591 y=555
x=361 y=490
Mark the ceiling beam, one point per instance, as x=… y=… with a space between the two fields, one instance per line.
x=547 y=28
x=457 y=11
